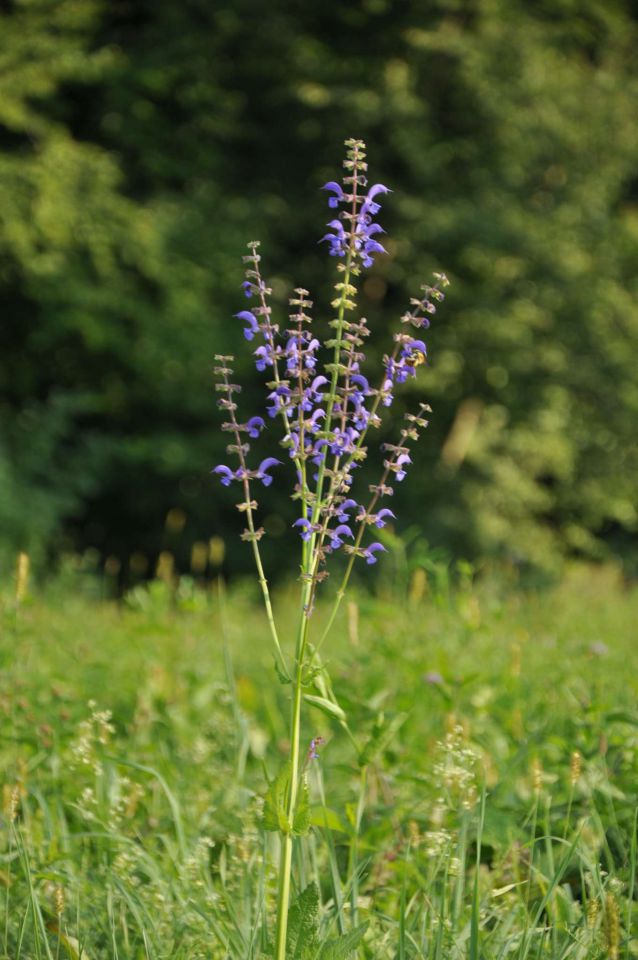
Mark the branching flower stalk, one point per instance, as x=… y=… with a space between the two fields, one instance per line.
x=326 y=412
x=247 y=506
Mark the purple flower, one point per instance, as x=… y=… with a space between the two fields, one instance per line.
x=369 y=205
x=255 y=425
x=291 y=440
x=315 y=743
x=292 y=357
x=306 y=528
x=358 y=380
x=337 y=534
x=264 y=358
x=251 y=320
x=369 y=552
x=386 y=392
x=265 y=465
x=280 y=400
x=343 y=440
x=433 y=677
x=361 y=418
x=337 y=240
x=312 y=394
x=316 y=383
x=313 y=424
x=370 y=247
x=342 y=510
x=380 y=519
x=319 y=452
x=247 y=287
x=335 y=188
x=225 y=474
x=399 y=463
x=310 y=360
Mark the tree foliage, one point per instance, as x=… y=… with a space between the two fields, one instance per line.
x=142 y=145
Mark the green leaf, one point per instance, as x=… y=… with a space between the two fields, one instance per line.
x=328 y=707
x=303 y=924
x=283 y=678
x=74 y=950
x=343 y=947
x=310 y=674
x=327 y=818
x=275 y=816
x=622 y=716
x=301 y=823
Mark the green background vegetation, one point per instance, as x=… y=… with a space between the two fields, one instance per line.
x=142 y=145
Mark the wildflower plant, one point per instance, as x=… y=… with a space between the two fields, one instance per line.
x=326 y=408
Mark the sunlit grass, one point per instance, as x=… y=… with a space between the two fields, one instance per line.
x=493 y=814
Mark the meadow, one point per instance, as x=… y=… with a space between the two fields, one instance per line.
x=476 y=798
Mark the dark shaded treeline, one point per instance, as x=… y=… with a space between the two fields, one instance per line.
x=142 y=145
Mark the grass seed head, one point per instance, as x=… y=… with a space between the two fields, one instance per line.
x=22 y=576
x=537 y=775
x=593 y=909
x=575 y=767
x=59 y=901
x=11 y=801
x=612 y=927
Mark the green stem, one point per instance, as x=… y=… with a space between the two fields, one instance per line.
x=9 y=881
x=285 y=865
x=248 y=506
x=283 y=896
x=337 y=603
x=346 y=577
x=263 y=583
x=333 y=388
x=354 y=846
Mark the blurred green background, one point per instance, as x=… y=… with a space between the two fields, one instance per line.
x=143 y=144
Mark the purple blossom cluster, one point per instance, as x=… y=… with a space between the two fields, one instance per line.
x=356 y=237
x=326 y=405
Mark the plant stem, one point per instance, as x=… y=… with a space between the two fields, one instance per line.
x=248 y=509
x=285 y=865
x=263 y=583
x=354 y=844
x=346 y=577
x=283 y=896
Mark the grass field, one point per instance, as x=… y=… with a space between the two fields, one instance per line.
x=481 y=802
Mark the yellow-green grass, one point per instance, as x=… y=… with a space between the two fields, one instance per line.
x=494 y=727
